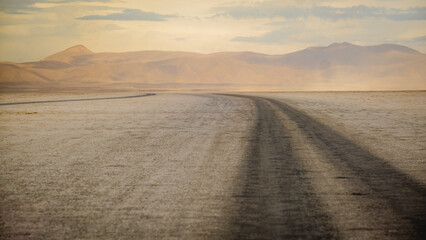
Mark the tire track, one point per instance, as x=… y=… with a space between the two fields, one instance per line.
x=276 y=200
x=396 y=191
x=280 y=200
x=78 y=100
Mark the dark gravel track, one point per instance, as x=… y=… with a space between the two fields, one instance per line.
x=278 y=199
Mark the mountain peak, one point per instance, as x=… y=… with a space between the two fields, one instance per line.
x=68 y=54
x=78 y=49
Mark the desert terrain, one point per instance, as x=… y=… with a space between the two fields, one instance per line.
x=336 y=67
x=306 y=165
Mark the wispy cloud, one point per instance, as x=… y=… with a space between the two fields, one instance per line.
x=18 y=7
x=265 y=10
x=421 y=39
x=26 y=6
x=129 y=15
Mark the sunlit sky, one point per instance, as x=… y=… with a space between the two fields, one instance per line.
x=31 y=30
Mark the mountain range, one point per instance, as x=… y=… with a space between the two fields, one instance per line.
x=339 y=66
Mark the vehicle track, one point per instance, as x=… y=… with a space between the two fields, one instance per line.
x=78 y=99
x=276 y=200
x=305 y=180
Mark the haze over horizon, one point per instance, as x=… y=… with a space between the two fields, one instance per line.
x=337 y=67
x=32 y=30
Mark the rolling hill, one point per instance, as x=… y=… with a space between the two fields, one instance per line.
x=339 y=66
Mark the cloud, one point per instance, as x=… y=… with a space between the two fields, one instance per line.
x=26 y=6
x=129 y=15
x=268 y=10
x=418 y=13
x=18 y=7
x=421 y=39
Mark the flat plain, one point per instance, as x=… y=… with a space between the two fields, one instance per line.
x=343 y=165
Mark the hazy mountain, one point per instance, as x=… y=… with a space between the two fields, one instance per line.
x=339 y=66
x=336 y=54
x=69 y=54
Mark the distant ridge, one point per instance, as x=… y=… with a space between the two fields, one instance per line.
x=338 y=66
x=345 y=54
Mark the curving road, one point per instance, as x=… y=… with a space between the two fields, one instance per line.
x=305 y=181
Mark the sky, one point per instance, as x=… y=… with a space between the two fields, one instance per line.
x=33 y=29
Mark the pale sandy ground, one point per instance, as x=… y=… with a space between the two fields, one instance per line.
x=185 y=166
x=154 y=167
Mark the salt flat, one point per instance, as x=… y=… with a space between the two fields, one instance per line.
x=213 y=166
x=153 y=167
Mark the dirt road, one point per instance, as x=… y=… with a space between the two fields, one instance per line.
x=304 y=181
x=194 y=166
